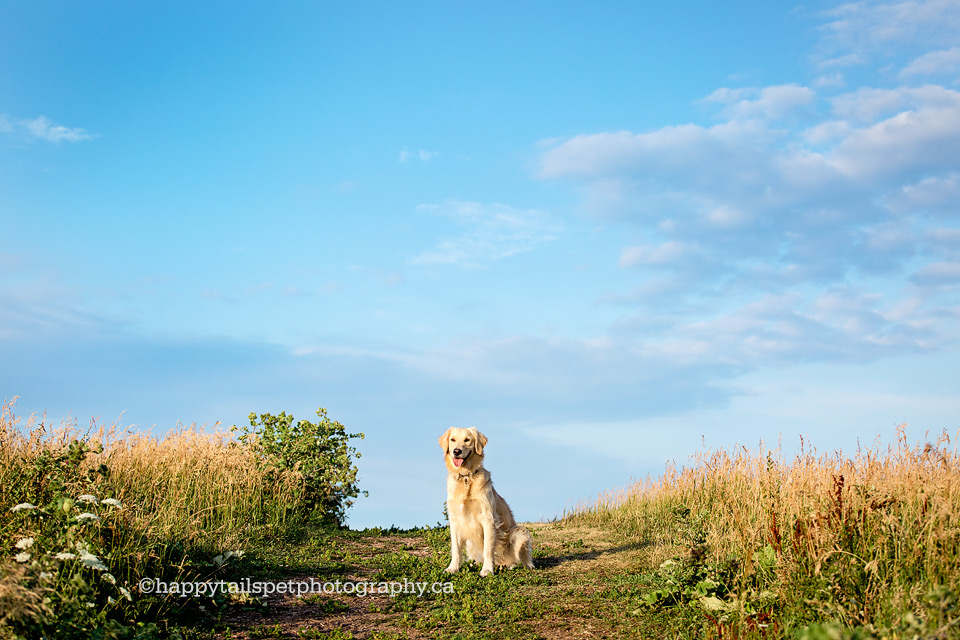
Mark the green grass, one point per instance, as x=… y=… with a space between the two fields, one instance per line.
x=476 y=608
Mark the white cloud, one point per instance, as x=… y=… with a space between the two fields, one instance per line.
x=834 y=80
x=945 y=239
x=839 y=324
x=938 y=273
x=867 y=104
x=860 y=31
x=827 y=132
x=945 y=61
x=42 y=128
x=489 y=232
x=666 y=253
x=768 y=103
x=802 y=225
x=903 y=146
x=727 y=149
x=423 y=155
x=848 y=60
x=743 y=166
x=935 y=194
x=727 y=216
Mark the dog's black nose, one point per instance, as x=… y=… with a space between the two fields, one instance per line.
x=457 y=452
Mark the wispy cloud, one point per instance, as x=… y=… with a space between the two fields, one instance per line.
x=666 y=253
x=946 y=61
x=489 y=232
x=768 y=103
x=42 y=128
x=422 y=155
x=859 y=32
x=938 y=273
x=808 y=222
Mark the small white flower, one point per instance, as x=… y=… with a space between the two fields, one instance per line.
x=109 y=578
x=113 y=502
x=88 y=517
x=65 y=556
x=23 y=506
x=22 y=557
x=110 y=600
x=88 y=498
x=46 y=575
x=24 y=543
x=91 y=605
x=126 y=593
x=93 y=562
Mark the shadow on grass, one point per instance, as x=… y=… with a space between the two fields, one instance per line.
x=546 y=562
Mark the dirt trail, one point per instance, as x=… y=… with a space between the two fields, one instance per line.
x=583 y=559
x=577 y=559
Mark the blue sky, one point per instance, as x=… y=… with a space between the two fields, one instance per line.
x=605 y=235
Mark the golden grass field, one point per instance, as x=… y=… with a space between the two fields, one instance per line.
x=865 y=539
x=191 y=483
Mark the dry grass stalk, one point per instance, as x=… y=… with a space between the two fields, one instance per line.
x=882 y=521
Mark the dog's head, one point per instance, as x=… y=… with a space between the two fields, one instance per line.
x=463 y=448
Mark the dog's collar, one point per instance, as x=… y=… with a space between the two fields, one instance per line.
x=466 y=477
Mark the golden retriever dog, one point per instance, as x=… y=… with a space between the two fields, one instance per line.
x=480 y=519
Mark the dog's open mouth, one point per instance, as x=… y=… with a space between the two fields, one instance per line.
x=459 y=461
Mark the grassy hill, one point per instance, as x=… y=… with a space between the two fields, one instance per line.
x=737 y=544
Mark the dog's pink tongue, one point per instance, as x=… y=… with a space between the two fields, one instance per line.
x=457 y=462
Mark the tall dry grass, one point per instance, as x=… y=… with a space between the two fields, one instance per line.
x=86 y=513
x=865 y=539
x=192 y=485
x=198 y=485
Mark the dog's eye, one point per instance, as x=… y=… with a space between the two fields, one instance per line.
x=466 y=441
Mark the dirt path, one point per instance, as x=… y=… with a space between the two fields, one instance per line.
x=321 y=615
x=577 y=562
x=583 y=560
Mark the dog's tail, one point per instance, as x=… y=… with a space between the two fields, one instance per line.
x=520 y=545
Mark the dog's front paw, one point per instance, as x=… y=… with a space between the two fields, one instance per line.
x=453 y=568
x=485 y=571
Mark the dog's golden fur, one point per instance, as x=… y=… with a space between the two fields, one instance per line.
x=481 y=523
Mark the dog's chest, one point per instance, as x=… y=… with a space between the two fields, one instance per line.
x=463 y=489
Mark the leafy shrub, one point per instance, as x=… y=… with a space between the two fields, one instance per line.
x=318 y=451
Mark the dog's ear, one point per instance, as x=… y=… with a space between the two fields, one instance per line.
x=445 y=440
x=480 y=439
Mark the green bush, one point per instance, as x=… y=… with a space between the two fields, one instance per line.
x=319 y=451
